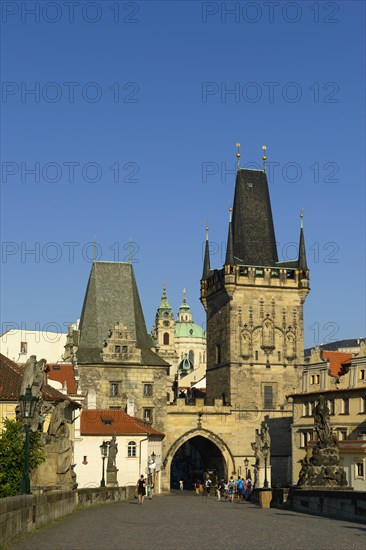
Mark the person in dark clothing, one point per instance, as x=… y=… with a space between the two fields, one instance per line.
x=141 y=489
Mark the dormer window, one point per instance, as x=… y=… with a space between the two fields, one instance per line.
x=107 y=421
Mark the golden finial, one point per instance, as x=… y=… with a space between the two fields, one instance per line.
x=302 y=218
x=264 y=157
x=238 y=156
x=184 y=295
x=206 y=228
x=231 y=213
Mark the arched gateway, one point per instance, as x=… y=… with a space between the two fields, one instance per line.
x=194 y=453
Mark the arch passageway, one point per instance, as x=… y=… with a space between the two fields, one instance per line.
x=194 y=459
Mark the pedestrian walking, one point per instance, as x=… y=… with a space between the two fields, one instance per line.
x=141 y=489
x=220 y=489
x=248 y=490
x=150 y=490
x=231 y=487
x=208 y=485
x=181 y=485
x=198 y=484
x=239 y=488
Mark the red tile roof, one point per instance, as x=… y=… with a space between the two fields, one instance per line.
x=339 y=362
x=11 y=376
x=63 y=373
x=110 y=422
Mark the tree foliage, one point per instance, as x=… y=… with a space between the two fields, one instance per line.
x=12 y=456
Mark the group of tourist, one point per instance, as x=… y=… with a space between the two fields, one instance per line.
x=241 y=489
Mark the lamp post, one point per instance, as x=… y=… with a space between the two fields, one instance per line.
x=265 y=455
x=27 y=409
x=246 y=464
x=104 y=453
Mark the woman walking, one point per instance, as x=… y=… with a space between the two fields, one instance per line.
x=141 y=489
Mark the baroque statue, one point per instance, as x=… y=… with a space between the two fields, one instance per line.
x=321 y=466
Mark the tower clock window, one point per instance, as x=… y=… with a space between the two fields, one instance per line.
x=166 y=339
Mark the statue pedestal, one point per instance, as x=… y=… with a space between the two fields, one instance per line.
x=112 y=477
x=261 y=477
x=265 y=498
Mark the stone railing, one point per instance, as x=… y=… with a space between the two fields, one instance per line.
x=21 y=514
x=342 y=504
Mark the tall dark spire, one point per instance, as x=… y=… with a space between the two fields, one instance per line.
x=302 y=252
x=206 y=261
x=252 y=226
x=229 y=260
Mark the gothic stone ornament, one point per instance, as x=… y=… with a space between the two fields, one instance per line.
x=321 y=467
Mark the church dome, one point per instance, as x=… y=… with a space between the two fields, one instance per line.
x=188 y=330
x=185 y=365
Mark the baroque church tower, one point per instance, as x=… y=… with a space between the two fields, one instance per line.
x=254 y=306
x=163 y=330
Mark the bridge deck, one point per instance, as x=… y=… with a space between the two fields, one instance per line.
x=183 y=521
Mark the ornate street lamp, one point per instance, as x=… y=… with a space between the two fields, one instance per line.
x=265 y=455
x=104 y=453
x=246 y=464
x=27 y=409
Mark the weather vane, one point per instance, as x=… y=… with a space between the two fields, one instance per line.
x=264 y=157
x=238 y=156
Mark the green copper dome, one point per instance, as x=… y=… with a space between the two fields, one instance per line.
x=188 y=330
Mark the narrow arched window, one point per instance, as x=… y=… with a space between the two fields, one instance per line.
x=191 y=356
x=131 y=448
x=166 y=339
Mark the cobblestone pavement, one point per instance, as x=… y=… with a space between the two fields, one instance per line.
x=185 y=521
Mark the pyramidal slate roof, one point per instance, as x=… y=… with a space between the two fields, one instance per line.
x=252 y=223
x=112 y=296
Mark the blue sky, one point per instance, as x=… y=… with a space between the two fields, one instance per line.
x=131 y=132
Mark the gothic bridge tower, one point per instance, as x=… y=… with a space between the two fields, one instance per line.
x=254 y=307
